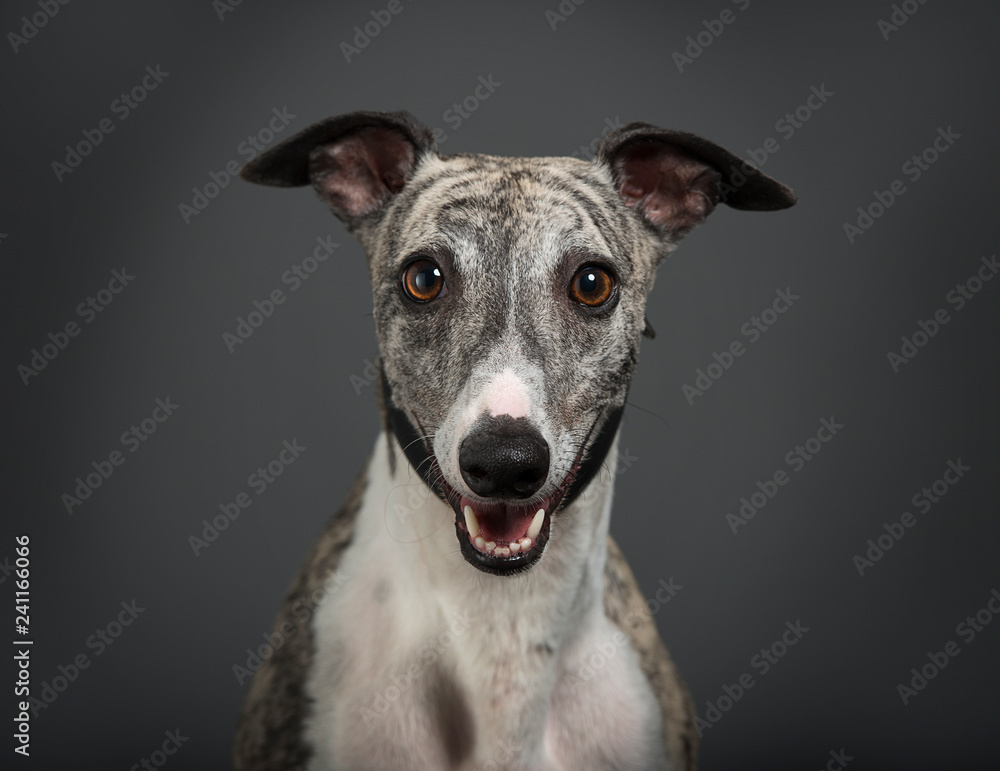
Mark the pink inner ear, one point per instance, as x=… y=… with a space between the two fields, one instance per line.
x=671 y=189
x=357 y=174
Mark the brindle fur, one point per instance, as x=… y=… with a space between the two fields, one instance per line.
x=507 y=232
x=271 y=718
x=269 y=731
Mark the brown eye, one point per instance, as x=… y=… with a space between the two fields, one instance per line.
x=592 y=286
x=423 y=281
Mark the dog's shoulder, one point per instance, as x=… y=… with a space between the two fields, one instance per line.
x=271 y=721
x=625 y=608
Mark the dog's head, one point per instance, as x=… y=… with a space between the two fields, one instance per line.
x=510 y=298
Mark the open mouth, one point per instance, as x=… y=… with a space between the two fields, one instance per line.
x=505 y=538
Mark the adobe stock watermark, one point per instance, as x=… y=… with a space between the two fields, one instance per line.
x=405 y=510
x=131 y=439
x=559 y=14
x=302 y=610
x=47 y=10
x=365 y=33
x=913 y=169
x=968 y=629
x=838 y=760
x=400 y=682
x=958 y=298
x=588 y=151
x=762 y=662
x=603 y=652
x=368 y=376
x=789 y=124
x=249 y=148
x=294 y=277
x=87 y=310
x=901 y=13
x=624 y=460
x=460 y=112
x=752 y=330
x=6 y=569
x=712 y=31
x=259 y=481
x=502 y=755
x=100 y=641
x=923 y=502
x=222 y=7
x=121 y=108
x=173 y=740
x=796 y=459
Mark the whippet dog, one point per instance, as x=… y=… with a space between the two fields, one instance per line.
x=466 y=607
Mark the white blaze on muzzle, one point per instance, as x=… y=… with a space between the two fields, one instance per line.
x=492 y=391
x=506 y=394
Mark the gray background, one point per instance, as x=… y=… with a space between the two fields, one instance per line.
x=689 y=464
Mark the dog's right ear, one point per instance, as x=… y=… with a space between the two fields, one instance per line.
x=355 y=162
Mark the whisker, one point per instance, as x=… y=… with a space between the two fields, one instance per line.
x=648 y=412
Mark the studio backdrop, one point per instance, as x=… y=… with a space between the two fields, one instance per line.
x=807 y=474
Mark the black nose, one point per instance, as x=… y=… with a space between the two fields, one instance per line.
x=504 y=457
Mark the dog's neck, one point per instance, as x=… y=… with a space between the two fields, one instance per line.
x=572 y=577
x=562 y=588
x=510 y=634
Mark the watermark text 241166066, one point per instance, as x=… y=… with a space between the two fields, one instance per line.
x=22 y=654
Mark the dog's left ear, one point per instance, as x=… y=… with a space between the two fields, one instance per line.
x=355 y=162
x=674 y=180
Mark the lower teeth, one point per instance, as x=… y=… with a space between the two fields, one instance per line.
x=512 y=548
x=491 y=547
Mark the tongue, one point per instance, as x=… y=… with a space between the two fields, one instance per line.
x=499 y=523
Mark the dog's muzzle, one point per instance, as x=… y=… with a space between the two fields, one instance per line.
x=505 y=462
x=504 y=457
x=503 y=527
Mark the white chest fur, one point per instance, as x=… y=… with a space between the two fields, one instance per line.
x=423 y=662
